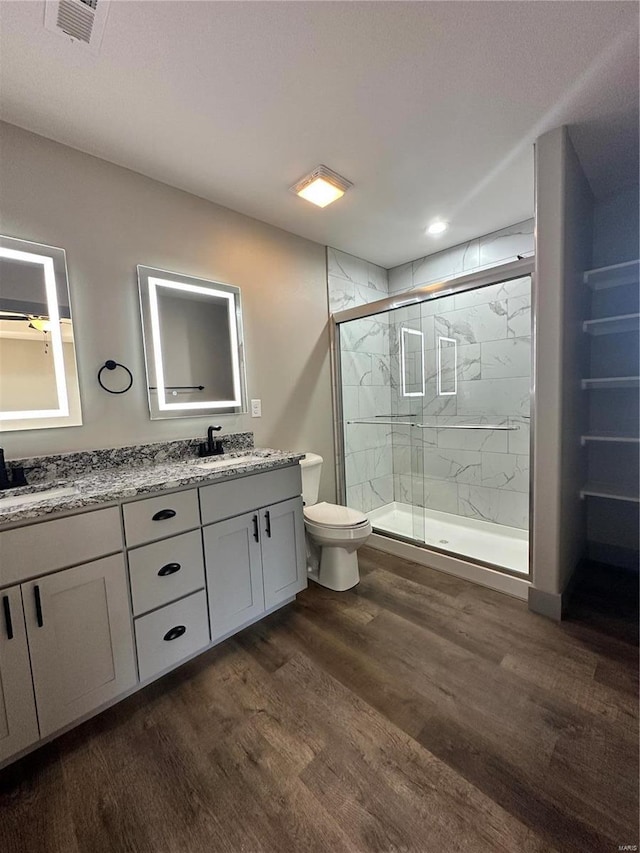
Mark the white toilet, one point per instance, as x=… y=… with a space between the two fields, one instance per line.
x=334 y=533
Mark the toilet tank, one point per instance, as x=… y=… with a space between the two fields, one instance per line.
x=311 y=467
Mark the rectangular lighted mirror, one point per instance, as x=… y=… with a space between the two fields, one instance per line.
x=193 y=345
x=447 y=367
x=38 y=370
x=412 y=362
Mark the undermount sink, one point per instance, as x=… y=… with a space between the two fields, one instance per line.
x=226 y=461
x=12 y=501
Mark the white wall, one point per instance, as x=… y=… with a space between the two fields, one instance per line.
x=563 y=251
x=108 y=220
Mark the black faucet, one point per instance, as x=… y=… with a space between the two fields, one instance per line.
x=211 y=447
x=17 y=474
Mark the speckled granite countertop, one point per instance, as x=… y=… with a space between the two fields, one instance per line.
x=123 y=483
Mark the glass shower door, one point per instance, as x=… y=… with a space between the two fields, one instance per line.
x=435 y=420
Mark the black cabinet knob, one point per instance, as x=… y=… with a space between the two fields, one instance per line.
x=174 y=633
x=169 y=569
x=163 y=514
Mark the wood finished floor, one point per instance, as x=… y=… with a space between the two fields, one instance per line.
x=416 y=713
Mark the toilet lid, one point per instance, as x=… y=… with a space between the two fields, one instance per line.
x=333 y=515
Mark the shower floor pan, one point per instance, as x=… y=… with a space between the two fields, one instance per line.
x=496 y=544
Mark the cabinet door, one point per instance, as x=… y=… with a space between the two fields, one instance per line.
x=18 y=722
x=234 y=572
x=80 y=638
x=283 y=551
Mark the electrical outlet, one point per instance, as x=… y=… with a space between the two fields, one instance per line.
x=256 y=408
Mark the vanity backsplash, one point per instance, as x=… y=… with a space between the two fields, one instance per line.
x=67 y=466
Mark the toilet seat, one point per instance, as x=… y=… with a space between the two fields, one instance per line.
x=333 y=516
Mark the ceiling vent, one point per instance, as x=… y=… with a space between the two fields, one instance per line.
x=82 y=21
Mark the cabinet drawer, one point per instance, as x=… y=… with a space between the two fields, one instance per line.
x=47 y=546
x=165 y=570
x=169 y=635
x=155 y=518
x=235 y=497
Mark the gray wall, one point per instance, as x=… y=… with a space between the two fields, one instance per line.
x=109 y=220
x=616 y=227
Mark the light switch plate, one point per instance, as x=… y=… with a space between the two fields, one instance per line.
x=256 y=408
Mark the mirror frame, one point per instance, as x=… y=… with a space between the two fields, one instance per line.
x=149 y=280
x=54 y=263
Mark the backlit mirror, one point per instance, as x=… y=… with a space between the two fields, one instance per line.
x=193 y=345
x=38 y=371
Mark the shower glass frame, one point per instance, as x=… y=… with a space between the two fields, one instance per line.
x=446 y=287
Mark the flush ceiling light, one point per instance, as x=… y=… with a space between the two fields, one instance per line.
x=322 y=186
x=437 y=227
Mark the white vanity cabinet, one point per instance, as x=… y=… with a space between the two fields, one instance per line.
x=18 y=721
x=284 y=567
x=79 y=629
x=167 y=580
x=234 y=572
x=86 y=617
x=254 y=560
x=66 y=642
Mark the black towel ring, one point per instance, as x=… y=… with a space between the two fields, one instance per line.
x=110 y=364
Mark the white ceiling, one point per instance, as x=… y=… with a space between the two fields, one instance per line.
x=430 y=108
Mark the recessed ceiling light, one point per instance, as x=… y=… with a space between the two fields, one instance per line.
x=322 y=186
x=437 y=227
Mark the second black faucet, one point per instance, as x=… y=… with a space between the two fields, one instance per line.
x=211 y=447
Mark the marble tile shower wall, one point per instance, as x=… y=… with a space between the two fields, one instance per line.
x=479 y=474
x=366 y=386
x=481 y=253
x=377 y=458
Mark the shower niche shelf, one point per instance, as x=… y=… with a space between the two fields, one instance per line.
x=611 y=438
x=611 y=382
x=612 y=325
x=615 y=275
x=607 y=490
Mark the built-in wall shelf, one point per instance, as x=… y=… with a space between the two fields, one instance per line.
x=611 y=438
x=612 y=325
x=611 y=382
x=616 y=275
x=610 y=491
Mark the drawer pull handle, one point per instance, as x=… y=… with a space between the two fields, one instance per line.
x=174 y=633
x=163 y=514
x=7 y=616
x=169 y=569
x=267 y=518
x=256 y=529
x=36 y=595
